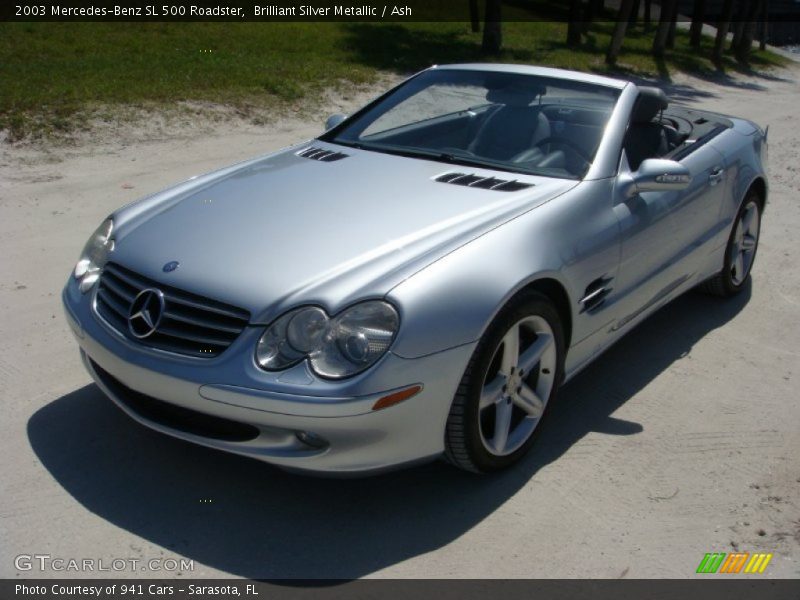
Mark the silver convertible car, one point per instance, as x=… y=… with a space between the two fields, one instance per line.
x=419 y=280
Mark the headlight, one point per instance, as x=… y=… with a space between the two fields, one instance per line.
x=94 y=256
x=336 y=347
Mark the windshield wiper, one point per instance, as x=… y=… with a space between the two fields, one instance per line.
x=460 y=159
x=446 y=157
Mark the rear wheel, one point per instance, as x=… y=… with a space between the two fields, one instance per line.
x=740 y=252
x=512 y=378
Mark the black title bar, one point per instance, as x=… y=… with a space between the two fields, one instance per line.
x=297 y=10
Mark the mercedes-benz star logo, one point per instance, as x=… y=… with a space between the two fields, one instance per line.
x=146 y=312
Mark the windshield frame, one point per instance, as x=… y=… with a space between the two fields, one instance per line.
x=615 y=94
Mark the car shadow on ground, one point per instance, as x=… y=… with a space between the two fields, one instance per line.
x=249 y=519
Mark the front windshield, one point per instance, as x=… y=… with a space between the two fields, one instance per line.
x=507 y=121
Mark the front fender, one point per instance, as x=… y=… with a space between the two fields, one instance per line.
x=573 y=239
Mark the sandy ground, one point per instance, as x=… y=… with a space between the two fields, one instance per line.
x=681 y=440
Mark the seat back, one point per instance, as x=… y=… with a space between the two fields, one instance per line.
x=513 y=126
x=510 y=130
x=646 y=138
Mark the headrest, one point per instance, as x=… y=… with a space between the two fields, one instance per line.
x=651 y=100
x=517 y=94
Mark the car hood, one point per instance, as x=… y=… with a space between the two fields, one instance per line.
x=284 y=230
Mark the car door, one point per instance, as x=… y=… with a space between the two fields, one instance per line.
x=663 y=235
x=697 y=216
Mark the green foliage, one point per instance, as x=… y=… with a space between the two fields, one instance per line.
x=50 y=72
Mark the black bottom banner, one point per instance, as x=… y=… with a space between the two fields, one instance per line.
x=438 y=589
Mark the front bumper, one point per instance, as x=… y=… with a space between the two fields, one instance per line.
x=228 y=403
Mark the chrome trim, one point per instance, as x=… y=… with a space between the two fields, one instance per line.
x=187 y=325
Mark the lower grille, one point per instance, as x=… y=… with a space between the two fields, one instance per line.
x=189 y=324
x=176 y=417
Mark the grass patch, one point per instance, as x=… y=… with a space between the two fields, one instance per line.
x=51 y=73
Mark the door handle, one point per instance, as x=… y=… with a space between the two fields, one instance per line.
x=716 y=175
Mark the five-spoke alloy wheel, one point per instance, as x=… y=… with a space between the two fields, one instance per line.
x=740 y=253
x=745 y=243
x=512 y=378
x=517 y=386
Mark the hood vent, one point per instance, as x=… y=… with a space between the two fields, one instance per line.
x=486 y=183
x=321 y=155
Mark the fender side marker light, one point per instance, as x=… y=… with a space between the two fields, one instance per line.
x=397 y=397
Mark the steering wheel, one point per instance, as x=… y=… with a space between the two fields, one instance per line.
x=580 y=152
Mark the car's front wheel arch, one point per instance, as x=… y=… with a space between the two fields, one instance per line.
x=557 y=294
x=507 y=382
x=758 y=187
x=740 y=249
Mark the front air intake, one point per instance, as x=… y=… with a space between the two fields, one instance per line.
x=174 y=416
x=322 y=155
x=486 y=183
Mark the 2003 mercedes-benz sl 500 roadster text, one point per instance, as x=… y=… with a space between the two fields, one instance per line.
x=419 y=280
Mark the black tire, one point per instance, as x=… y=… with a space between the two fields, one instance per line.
x=464 y=446
x=722 y=284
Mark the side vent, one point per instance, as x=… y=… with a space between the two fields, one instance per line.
x=595 y=294
x=486 y=183
x=321 y=155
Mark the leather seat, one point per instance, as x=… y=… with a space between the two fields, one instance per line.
x=513 y=127
x=647 y=138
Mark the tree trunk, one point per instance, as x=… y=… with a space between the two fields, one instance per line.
x=619 y=31
x=634 y=13
x=474 y=16
x=648 y=12
x=673 y=24
x=696 y=30
x=748 y=32
x=492 y=28
x=738 y=24
x=588 y=15
x=742 y=51
x=660 y=40
x=594 y=10
x=574 y=24
x=722 y=30
x=762 y=44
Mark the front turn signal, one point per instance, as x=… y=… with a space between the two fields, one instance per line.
x=397 y=397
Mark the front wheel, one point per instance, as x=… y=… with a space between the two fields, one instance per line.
x=511 y=380
x=740 y=253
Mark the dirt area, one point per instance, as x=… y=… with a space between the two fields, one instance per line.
x=683 y=439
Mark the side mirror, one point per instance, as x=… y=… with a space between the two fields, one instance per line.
x=658 y=175
x=334 y=120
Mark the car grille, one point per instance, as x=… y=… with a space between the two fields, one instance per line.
x=176 y=417
x=190 y=324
